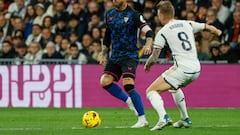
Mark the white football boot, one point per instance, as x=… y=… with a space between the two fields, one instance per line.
x=183 y=123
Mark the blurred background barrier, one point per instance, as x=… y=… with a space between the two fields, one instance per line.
x=77 y=86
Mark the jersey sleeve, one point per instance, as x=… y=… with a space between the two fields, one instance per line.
x=197 y=26
x=159 y=40
x=139 y=19
x=107 y=37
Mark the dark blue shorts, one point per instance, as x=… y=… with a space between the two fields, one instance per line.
x=126 y=67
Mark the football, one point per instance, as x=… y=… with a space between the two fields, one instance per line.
x=91 y=119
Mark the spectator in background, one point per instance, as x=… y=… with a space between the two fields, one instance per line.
x=48 y=23
x=2 y=38
x=58 y=40
x=36 y=34
x=46 y=36
x=229 y=21
x=34 y=54
x=148 y=14
x=132 y=4
x=75 y=26
x=202 y=13
x=28 y=20
x=94 y=8
x=19 y=33
x=191 y=16
x=18 y=36
x=96 y=33
x=61 y=27
x=51 y=53
x=202 y=56
x=76 y=57
x=102 y=30
x=61 y=13
x=21 y=50
x=17 y=8
x=64 y=48
x=138 y=4
x=108 y=5
x=213 y=20
x=222 y=11
x=228 y=53
x=40 y=12
x=235 y=5
x=206 y=38
x=83 y=5
x=46 y=3
x=94 y=49
x=51 y=10
x=73 y=38
x=80 y=14
x=18 y=24
x=16 y=40
x=95 y=21
x=86 y=42
x=149 y=4
x=8 y=50
x=233 y=32
x=3 y=9
x=189 y=7
x=214 y=53
x=6 y=26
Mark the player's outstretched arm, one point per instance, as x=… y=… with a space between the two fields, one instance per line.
x=213 y=29
x=147 y=48
x=152 y=59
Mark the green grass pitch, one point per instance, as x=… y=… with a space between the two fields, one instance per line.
x=115 y=121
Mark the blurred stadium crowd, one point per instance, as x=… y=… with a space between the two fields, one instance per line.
x=71 y=31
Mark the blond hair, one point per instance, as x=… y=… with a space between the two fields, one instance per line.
x=166 y=8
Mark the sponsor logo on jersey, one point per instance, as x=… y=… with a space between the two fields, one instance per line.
x=125 y=19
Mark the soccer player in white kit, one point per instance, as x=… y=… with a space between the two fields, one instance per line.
x=179 y=36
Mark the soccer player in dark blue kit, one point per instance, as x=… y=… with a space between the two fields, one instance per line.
x=122 y=25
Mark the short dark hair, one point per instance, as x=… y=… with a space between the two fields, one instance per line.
x=73 y=45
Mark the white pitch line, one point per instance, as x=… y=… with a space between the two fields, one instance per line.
x=194 y=126
x=117 y=127
x=18 y=129
x=218 y=126
x=106 y=127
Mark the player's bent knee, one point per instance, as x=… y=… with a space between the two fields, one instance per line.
x=106 y=80
x=128 y=87
x=128 y=80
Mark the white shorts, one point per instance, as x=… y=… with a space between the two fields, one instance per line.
x=177 y=78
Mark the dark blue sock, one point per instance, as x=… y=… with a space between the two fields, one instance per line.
x=137 y=101
x=117 y=92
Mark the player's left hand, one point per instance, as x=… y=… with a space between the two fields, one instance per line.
x=147 y=50
x=147 y=68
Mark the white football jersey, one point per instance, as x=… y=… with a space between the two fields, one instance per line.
x=179 y=36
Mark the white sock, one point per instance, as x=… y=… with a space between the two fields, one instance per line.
x=142 y=118
x=179 y=99
x=157 y=103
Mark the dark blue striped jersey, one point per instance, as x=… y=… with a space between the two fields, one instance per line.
x=122 y=32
